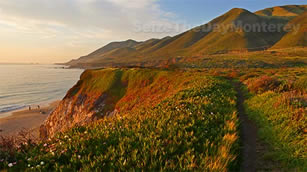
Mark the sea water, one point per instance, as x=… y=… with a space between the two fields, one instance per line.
x=22 y=85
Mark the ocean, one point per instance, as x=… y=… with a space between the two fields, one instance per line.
x=22 y=85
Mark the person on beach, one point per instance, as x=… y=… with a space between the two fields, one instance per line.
x=29 y=108
x=38 y=107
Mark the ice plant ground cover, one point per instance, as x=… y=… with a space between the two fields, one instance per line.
x=197 y=128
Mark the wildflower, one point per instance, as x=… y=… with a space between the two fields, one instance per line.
x=42 y=163
x=29 y=165
x=45 y=145
x=1 y=160
x=14 y=163
x=212 y=113
x=79 y=156
x=38 y=166
x=65 y=136
x=85 y=132
x=29 y=159
x=10 y=165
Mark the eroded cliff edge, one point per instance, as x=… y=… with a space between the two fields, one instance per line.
x=105 y=92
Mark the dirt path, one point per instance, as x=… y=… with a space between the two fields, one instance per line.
x=248 y=134
x=254 y=150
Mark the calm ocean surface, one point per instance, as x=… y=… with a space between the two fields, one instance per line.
x=23 y=85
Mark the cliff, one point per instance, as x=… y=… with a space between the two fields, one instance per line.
x=105 y=92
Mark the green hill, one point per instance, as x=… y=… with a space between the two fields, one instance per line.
x=297 y=36
x=236 y=31
x=99 y=54
x=283 y=11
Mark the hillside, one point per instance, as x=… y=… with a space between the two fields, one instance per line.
x=165 y=121
x=245 y=30
x=171 y=120
x=283 y=11
x=98 y=54
x=241 y=38
x=101 y=93
x=297 y=35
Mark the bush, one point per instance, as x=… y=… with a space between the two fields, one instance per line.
x=301 y=84
x=263 y=84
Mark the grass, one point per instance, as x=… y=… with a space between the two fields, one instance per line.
x=282 y=126
x=279 y=111
x=172 y=120
x=196 y=129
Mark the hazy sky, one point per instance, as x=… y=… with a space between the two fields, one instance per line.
x=48 y=31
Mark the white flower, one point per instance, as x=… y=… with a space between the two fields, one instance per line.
x=42 y=163
x=38 y=166
x=29 y=159
x=10 y=165
x=85 y=132
x=29 y=165
x=79 y=156
x=66 y=136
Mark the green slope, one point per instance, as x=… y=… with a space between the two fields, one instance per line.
x=283 y=11
x=234 y=34
x=297 y=36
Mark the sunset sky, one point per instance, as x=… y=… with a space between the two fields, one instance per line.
x=48 y=31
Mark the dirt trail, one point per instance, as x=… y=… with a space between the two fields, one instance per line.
x=248 y=133
x=254 y=150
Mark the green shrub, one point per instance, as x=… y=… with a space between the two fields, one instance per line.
x=301 y=84
x=263 y=84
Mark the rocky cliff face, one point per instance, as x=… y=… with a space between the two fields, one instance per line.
x=105 y=92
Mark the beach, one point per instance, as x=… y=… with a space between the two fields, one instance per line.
x=26 y=119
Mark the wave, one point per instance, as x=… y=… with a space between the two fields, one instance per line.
x=11 y=108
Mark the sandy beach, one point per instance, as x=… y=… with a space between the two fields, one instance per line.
x=25 y=119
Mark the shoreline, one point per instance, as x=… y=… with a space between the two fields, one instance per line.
x=23 y=119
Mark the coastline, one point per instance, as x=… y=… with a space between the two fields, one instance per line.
x=25 y=119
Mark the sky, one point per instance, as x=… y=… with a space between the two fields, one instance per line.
x=51 y=31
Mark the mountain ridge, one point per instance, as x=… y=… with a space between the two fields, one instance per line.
x=198 y=41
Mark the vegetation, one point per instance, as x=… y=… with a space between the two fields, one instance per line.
x=182 y=117
x=225 y=34
x=188 y=131
x=279 y=107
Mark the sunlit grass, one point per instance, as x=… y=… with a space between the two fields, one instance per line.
x=196 y=129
